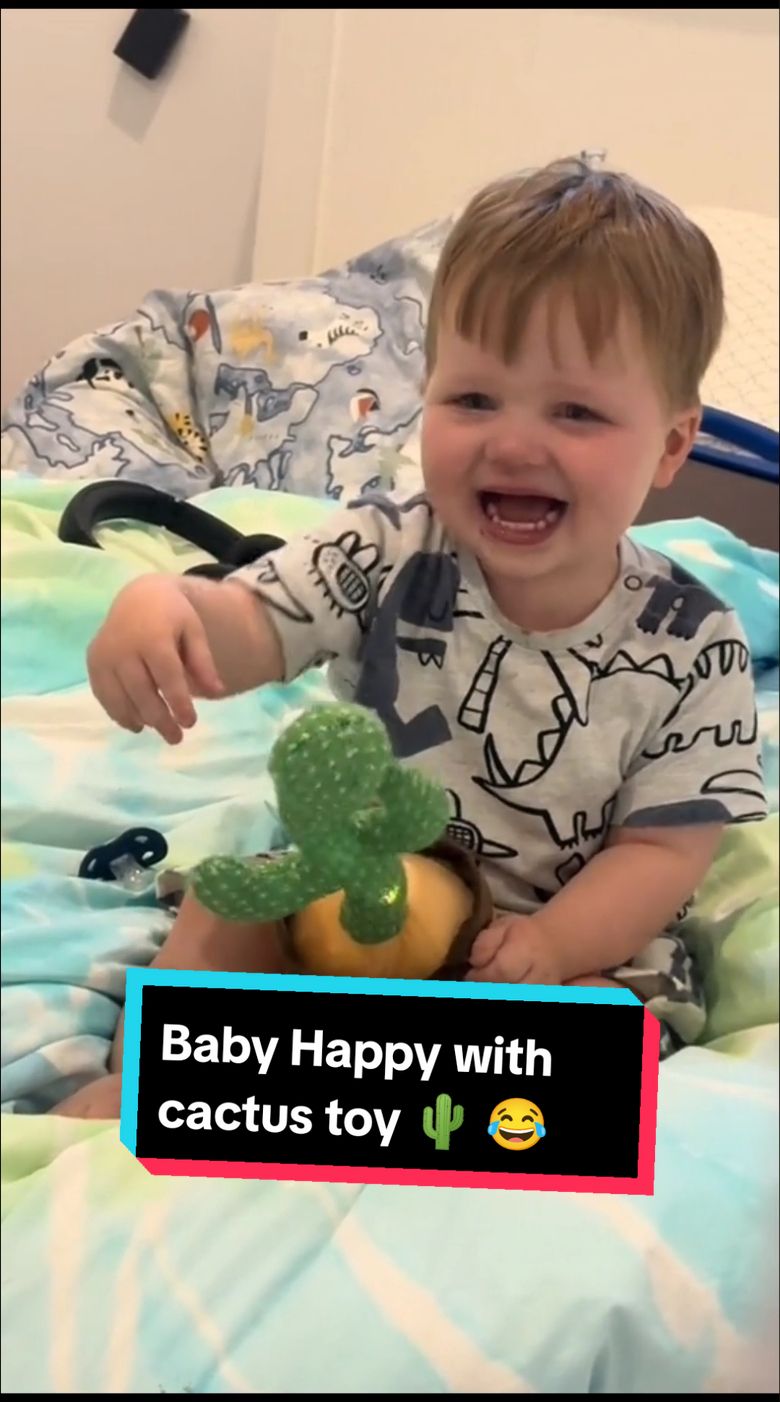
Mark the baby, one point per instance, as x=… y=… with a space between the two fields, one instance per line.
x=587 y=703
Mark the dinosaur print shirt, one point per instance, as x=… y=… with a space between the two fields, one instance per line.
x=641 y=716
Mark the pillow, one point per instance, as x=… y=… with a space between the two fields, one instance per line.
x=313 y=386
x=113 y=403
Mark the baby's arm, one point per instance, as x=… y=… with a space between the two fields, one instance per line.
x=167 y=639
x=697 y=772
x=625 y=896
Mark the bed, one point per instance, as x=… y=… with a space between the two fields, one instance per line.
x=117 y=1282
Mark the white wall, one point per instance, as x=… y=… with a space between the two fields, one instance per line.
x=364 y=122
x=410 y=110
x=113 y=185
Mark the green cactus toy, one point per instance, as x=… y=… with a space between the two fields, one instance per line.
x=447 y=1119
x=350 y=812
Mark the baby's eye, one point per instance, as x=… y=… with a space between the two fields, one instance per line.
x=578 y=413
x=474 y=400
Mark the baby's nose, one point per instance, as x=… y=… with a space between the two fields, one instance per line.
x=516 y=438
x=517 y=451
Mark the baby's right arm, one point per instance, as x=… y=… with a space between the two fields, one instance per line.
x=169 y=638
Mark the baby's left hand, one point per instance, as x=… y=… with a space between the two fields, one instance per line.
x=514 y=949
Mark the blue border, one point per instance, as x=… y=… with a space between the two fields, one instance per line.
x=401 y=987
x=138 y=979
x=131 y=1055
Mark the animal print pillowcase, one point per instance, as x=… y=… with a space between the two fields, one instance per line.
x=313 y=386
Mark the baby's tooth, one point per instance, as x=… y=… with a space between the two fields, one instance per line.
x=523 y=527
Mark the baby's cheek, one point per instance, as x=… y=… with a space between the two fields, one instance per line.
x=441 y=478
x=434 y=453
x=445 y=445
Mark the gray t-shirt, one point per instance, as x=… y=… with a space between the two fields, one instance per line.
x=641 y=716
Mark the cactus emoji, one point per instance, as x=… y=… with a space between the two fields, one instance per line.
x=350 y=811
x=447 y=1119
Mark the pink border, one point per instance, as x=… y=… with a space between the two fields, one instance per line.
x=648 y=1104
x=642 y=1185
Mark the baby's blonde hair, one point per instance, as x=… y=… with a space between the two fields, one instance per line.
x=597 y=236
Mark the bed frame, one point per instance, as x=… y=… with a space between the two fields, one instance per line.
x=731 y=477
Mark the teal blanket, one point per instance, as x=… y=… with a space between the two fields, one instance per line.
x=116 y=1282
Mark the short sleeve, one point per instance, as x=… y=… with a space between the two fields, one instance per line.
x=703 y=763
x=321 y=587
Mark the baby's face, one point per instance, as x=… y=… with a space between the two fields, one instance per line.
x=539 y=466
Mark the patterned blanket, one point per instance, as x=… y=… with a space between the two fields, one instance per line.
x=116 y=1282
x=310 y=386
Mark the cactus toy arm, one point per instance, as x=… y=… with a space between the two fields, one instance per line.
x=413 y=814
x=373 y=909
x=351 y=811
x=268 y=891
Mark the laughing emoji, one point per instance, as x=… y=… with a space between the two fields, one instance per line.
x=517 y=1124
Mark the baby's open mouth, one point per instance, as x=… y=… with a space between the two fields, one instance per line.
x=522 y=516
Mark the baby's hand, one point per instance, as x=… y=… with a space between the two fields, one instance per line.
x=150 y=657
x=514 y=949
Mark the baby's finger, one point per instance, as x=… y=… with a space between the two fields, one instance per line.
x=116 y=703
x=151 y=707
x=486 y=973
x=199 y=661
x=509 y=965
x=170 y=680
x=487 y=944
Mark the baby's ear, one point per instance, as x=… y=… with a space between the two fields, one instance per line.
x=679 y=441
